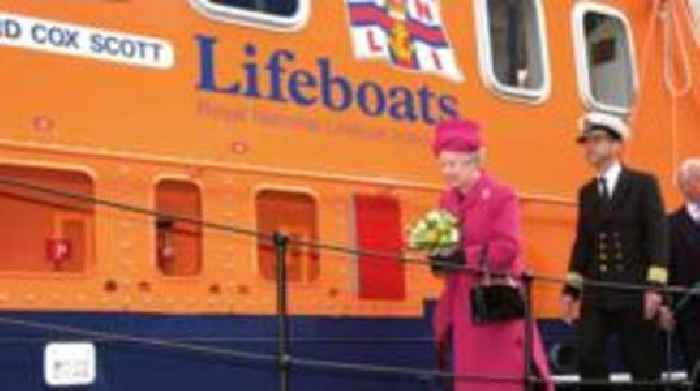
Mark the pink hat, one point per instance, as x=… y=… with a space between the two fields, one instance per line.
x=457 y=135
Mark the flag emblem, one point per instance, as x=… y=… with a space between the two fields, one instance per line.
x=409 y=34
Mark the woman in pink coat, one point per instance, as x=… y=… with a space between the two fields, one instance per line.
x=490 y=218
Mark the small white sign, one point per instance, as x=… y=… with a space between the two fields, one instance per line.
x=83 y=41
x=70 y=364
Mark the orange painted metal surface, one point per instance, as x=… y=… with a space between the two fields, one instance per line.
x=128 y=127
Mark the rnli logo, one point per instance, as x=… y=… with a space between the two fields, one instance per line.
x=409 y=34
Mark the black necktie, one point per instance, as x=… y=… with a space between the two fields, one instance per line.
x=603 y=186
x=604 y=193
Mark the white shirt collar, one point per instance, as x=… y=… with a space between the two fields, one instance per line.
x=693 y=211
x=612 y=176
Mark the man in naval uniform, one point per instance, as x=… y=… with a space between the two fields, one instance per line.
x=621 y=237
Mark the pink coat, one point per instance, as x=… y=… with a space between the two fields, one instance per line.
x=490 y=214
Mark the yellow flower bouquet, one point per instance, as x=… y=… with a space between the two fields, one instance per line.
x=437 y=232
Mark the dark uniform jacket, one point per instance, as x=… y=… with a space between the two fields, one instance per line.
x=684 y=267
x=684 y=270
x=621 y=240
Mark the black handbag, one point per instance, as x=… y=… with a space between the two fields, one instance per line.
x=495 y=298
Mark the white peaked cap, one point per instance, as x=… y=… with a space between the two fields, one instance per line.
x=613 y=123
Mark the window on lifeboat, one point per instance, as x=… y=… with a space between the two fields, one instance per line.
x=269 y=14
x=605 y=57
x=272 y=7
x=513 y=47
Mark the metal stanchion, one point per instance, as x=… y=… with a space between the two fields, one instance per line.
x=527 y=279
x=281 y=243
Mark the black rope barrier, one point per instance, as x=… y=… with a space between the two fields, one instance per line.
x=393 y=256
x=132 y=208
x=285 y=361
